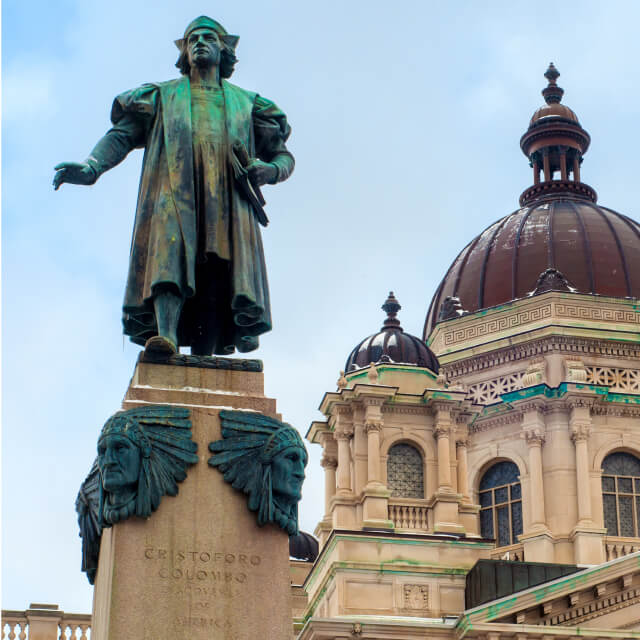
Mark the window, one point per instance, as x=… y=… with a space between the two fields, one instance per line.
x=501 y=504
x=404 y=472
x=621 y=494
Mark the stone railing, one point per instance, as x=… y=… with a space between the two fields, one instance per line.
x=514 y=552
x=44 y=622
x=409 y=513
x=616 y=547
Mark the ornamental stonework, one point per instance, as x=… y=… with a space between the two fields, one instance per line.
x=416 y=597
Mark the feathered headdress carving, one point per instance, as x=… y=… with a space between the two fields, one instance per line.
x=163 y=436
x=250 y=442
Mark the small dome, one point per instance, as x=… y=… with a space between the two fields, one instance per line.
x=553 y=110
x=391 y=345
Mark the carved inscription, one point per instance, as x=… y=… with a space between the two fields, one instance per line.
x=199 y=580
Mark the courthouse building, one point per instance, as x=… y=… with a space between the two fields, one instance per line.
x=484 y=481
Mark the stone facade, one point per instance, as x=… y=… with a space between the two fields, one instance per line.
x=531 y=398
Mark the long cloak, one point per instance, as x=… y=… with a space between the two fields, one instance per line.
x=164 y=247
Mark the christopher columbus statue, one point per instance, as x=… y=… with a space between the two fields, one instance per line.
x=197 y=275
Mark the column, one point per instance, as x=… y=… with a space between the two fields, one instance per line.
x=576 y=167
x=446 y=515
x=344 y=461
x=441 y=433
x=580 y=434
x=545 y=164
x=372 y=429
x=535 y=439
x=588 y=540
x=463 y=477
x=329 y=464
x=563 y=163
x=536 y=170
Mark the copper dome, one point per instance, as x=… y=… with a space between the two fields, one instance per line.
x=559 y=239
x=553 y=110
x=595 y=250
x=391 y=345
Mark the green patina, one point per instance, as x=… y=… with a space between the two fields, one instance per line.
x=570 y=583
x=442 y=395
x=265 y=459
x=494 y=610
x=379 y=543
x=464 y=625
x=197 y=273
x=143 y=454
x=383 y=368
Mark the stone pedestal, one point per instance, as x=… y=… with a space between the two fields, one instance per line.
x=375 y=508
x=588 y=545
x=445 y=512
x=538 y=545
x=199 y=567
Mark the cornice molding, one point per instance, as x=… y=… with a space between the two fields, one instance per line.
x=536 y=348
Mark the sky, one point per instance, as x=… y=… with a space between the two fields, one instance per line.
x=406 y=121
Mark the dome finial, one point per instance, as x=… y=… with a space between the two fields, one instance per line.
x=391 y=306
x=552 y=93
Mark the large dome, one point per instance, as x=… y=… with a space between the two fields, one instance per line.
x=595 y=249
x=559 y=239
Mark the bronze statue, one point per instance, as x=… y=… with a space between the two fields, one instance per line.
x=197 y=275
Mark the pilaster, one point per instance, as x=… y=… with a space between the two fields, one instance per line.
x=588 y=540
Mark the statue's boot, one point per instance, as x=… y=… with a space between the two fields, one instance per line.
x=167 y=305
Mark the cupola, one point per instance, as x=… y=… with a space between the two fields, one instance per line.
x=555 y=143
x=560 y=239
x=391 y=345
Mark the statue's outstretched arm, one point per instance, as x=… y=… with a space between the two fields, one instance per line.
x=110 y=150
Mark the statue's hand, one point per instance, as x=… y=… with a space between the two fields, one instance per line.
x=74 y=173
x=262 y=172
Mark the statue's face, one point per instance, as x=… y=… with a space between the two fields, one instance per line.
x=287 y=474
x=203 y=48
x=119 y=463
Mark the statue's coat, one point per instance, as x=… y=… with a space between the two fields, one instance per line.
x=164 y=247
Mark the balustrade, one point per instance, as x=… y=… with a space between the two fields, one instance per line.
x=51 y=623
x=616 y=547
x=409 y=514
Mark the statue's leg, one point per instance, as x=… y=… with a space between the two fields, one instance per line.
x=204 y=344
x=167 y=304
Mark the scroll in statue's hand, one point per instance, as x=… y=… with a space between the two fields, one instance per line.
x=262 y=172
x=74 y=173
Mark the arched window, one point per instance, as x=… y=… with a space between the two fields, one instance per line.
x=501 y=504
x=621 y=494
x=404 y=472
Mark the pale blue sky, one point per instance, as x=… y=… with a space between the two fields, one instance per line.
x=406 y=123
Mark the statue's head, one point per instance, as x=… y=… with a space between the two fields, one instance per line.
x=207 y=43
x=119 y=451
x=264 y=458
x=142 y=454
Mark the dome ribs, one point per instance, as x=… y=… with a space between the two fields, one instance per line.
x=587 y=246
x=516 y=248
x=430 y=320
x=483 y=271
x=618 y=244
x=551 y=261
x=470 y=249
x=633 y=225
